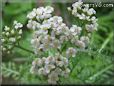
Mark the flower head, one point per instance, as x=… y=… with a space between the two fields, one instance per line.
x=71 y=52
x=51 y=33
x=53 y=67
x=10 y=36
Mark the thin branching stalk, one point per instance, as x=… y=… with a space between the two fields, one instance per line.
x=106 y=42
x=18 y=46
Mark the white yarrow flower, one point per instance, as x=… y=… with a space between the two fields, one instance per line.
x=7 y=33
x=12 y=39
x=75 y=30
x=12 y=31
x=71 y=52
x=49 y=9
x=17 y=25
x=85 y=39
x=6 y=28
x=81 y=44
x=31 y=15
x=91 y=11
x=20 y=31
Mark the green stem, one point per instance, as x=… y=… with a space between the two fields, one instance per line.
x=71 y=61
x=106 y=42
x=18 y=46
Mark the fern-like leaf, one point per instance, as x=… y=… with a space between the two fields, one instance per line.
x=102 y=75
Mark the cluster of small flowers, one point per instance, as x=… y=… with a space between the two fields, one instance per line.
x=52 y=33
x=83 y=12
x=51 y=67
x=39 y=14
x=11 y=36
x=46 y=36
x=71 y=52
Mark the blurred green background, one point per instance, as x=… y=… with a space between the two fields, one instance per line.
x=96 y=66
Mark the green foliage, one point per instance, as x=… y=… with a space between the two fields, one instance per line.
x=9 y=70
x=88 y=68
x=20 y=73
x=15 y=11
x=105 y=34
x=101 y=76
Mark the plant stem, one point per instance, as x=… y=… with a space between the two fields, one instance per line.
x=106 y=42
x=18 y=46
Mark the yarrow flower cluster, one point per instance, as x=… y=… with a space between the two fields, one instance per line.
x=83 y=12
x=51 y=33
x=11 y=36
x=39 y=14
x=51 y=36
x=51 y=67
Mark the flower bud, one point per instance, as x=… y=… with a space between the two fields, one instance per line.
x=19 y=37
x=2 y=40
x=7 y=34
x=4 y=49
x=20 y=31
x=69 y=8
x=71 y=52
x=12 y=39
x=12 y=31
x=8 y=52
x=6 y=28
